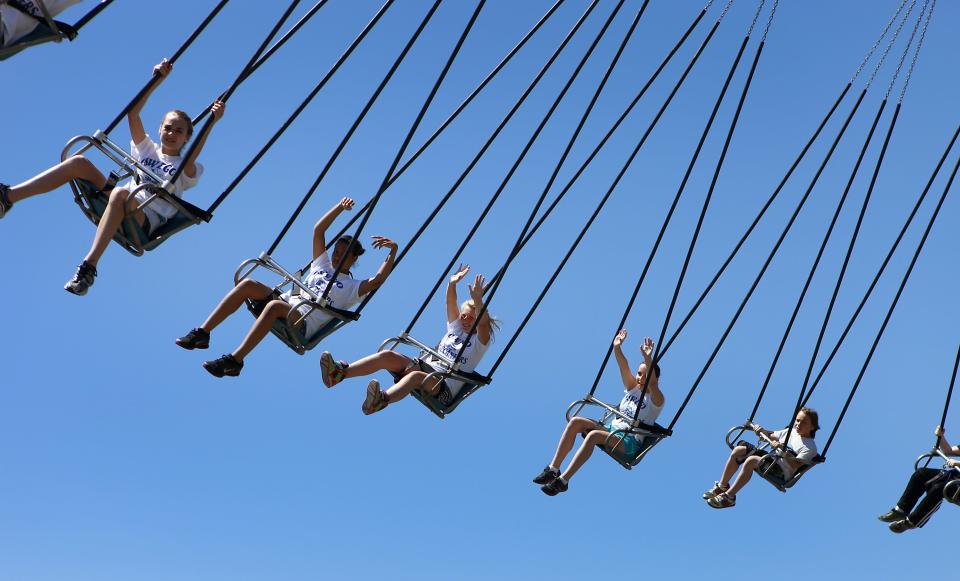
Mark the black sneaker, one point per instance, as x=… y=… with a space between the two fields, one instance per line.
x=902 y=525
x=554 y=487
x=195 y=339
x=225 y=365
x=5 y=203
x=894 y=515
x=548 y=475
x=83 y=280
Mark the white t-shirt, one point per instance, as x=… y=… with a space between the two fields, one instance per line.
x=344 y=294
x=804 y=448
x=164 y=166
x=450 y=346
x=628 y=407
x=14 y=24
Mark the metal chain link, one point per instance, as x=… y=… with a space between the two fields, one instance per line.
x=727 y=9
x=893 y=41
x=916 y=53
x=766 y=29
x=876 y=45
x=756 y=16
x=906 y=50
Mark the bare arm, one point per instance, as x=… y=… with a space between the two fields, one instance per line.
x=320 y=228
x=137 y=132
x=189 y=166
x=653 y=382
x=476 y=293
x=373 y=283
x=944 y=445
x=626 y=374
x=453 y=305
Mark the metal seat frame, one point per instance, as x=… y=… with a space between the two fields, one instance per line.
x=951 y=492
x=47 y=30
x=448 y=370
x=771 y=457
x=157 y=188
x=287 y=329
x=649 y=435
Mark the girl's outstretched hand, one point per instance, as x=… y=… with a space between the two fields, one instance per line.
x=383 y=242
x=462 y=271
x=345 y=204
x=477 y=289
x=647 y=348
x=620 y=338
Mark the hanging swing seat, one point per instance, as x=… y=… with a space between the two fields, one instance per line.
x=47 y=30
x=769 y=467
x=648 y=435
x=289 y=329
x=951 y=492
x=93 y=202
x=440 y=367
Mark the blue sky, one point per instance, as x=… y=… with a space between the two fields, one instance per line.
x=123 y=459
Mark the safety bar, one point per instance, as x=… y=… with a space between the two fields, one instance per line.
x=636 y=426
x=450 y=369
x=925 y=459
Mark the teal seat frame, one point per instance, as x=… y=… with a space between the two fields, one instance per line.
x=649 y=435
x=93 y=202
x=443 y=369
x=288 y=329
x=769 y=468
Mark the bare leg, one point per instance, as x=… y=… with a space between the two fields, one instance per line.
x=275 y=309
x=410 y=382
x=77 y=167
x=736 y=457
x=247 y=289
x=110 y=222
x=383 y=360
x=746 y=473
x=594 y=438
x=575 y=426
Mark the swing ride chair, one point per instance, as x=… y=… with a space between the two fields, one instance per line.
x=443 y=368
x=648 y=435
x=47 y=30
x=93 y=202
x=287 y=329
x=951 y=492
x=769 y=467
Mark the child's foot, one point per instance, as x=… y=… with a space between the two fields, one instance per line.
x=5 y=203
x=555 y=486
x=195 y=339
x=548 y=475
x=717 y=489
x=83 y=280
x=226 y=365
x=894 y=515
x=375 y=400
x=902 y=525
x=331 y=371
x=723 y=500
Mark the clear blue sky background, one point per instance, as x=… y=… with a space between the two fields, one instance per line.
x=122 y=459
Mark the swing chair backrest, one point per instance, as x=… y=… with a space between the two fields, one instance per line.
x=93 y=202
x=648 y=435
x=769 y=468
x=441 y=367
x=288 y=329
x=47 y=30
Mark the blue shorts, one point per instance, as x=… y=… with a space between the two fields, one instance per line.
x=631 y=445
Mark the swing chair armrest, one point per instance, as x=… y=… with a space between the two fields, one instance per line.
x=270 y=264
x=732 y=439
x=186 y=209
x=253 y=263
x=924 y=460
x=579 y=405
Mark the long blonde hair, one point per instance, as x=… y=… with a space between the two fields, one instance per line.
x=494 y=322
